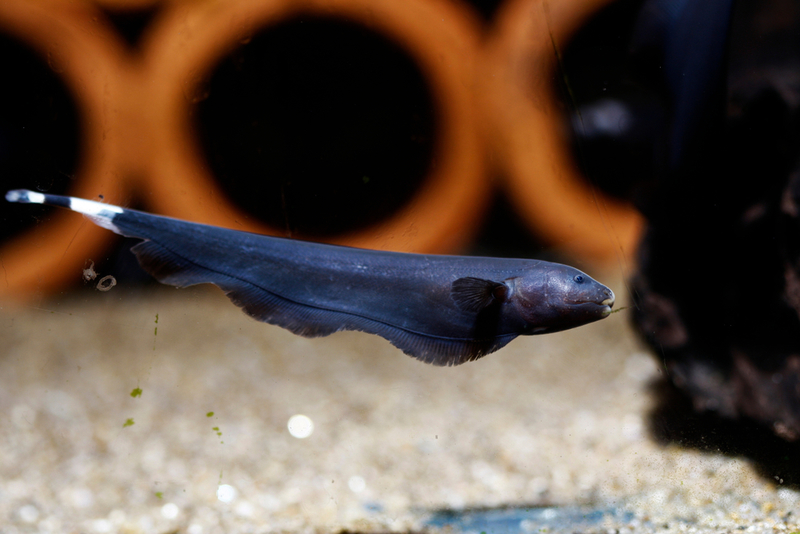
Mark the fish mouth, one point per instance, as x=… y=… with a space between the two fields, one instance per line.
x=607 y=304
x=603 y=308
x=599 y=310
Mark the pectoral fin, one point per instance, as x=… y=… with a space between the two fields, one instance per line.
x=474 y=294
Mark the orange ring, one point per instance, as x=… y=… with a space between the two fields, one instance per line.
x=541 y=177
x=128 y=5
x=441 y=36
x=50 y=255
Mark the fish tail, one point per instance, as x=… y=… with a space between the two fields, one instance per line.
x=99 y=213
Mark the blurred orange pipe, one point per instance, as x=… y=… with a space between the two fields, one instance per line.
x=86 y=56
x=527 y=133
x=441 y=36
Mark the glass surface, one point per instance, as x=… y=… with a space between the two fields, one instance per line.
x=131 y=406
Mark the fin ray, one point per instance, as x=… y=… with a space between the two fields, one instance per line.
x=474 y=294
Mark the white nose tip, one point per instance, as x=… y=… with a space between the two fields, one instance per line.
x=610 y=300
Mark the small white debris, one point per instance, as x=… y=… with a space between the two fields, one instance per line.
x=245 y=509
x=170 y=510
x=29 y=513
x=117 y=517
x=226 y=493
x=106 y=283
x=632 y=427
x=102 y=526
x=789 y=496
x=300 y=426
x=539 y=485
x=549 y=514
x=80 y=497
x=88 y=271
x=356 y=484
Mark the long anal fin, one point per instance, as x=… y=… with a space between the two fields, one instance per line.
x=262 y=304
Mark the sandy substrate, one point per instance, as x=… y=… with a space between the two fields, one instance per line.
x=550 y=420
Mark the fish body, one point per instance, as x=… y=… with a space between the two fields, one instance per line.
x=443 y=310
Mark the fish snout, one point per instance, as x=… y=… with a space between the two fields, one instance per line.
x=607 y=303
x=609 y=300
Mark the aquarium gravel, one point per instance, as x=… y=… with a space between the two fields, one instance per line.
x=171 y=411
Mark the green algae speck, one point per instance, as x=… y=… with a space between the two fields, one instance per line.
x=137 y=392
x=128 y=422
x=160 y=494
x=210 y=414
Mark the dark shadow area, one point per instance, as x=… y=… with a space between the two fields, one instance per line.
x=504 y=234
x=131 y=24
x=674 y=420
x=486 y=8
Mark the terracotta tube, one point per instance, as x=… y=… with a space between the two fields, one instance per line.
x=441 y=37
x=527 y=133
x=85 y=55
x=127 y=5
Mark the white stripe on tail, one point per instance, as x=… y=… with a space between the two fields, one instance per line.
x=101 y=214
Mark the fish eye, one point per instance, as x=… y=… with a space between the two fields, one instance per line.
x=578 y=278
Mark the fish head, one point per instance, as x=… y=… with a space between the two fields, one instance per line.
x=558 y=297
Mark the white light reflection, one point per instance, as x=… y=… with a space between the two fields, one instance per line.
x=300 y=426
x=226 y=493
x=356 y=484
x=170 y=510
x=29 y=513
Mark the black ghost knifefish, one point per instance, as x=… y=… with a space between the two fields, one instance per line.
x=444 y=310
